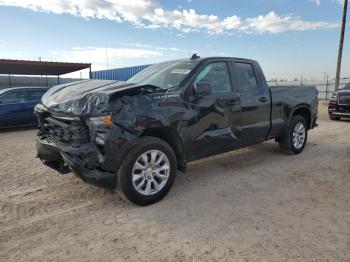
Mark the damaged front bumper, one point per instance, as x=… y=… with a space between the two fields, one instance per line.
x=85 y=161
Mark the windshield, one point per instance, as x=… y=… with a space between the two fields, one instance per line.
x=3 y=91
x=164 y=75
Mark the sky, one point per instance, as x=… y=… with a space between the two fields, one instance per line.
x=289 y=38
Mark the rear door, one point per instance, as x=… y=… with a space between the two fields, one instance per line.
x=33 y=98
x=254 y=100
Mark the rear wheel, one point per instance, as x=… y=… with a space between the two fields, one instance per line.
x=147 y=172
x=335 y=118
x=295 y=137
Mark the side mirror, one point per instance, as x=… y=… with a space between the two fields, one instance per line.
x=201 y=89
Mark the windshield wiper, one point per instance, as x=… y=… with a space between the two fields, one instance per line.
x=151 y=88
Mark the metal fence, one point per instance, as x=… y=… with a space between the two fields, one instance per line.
x=325 y=88
x=7 y=81
x=121 y=74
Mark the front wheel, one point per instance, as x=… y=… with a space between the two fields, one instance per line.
x=147 y=172
x=295 y=137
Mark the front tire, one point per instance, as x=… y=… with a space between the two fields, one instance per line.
x=295 y=137
x=148 y=172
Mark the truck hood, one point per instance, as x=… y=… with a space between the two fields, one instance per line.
x=344 y=91
x=87 y=97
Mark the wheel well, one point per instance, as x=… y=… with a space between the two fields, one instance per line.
x=170 y=136
x=304 y=112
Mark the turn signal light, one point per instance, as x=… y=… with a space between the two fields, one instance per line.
x=107 y=121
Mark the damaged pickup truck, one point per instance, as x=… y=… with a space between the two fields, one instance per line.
x=133 y=136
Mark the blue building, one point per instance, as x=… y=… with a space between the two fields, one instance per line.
x=121 y=74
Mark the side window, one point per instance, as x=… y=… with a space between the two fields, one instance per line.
x=217 y=75
x=35 y=95
x=13 y=97
x=246 y=77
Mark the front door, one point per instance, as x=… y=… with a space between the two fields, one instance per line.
x=210 y=130
x=13 y=108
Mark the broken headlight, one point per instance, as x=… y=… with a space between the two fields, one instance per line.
x=98 y=127
x=101 y=121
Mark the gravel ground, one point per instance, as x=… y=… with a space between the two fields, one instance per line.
x=254 y=204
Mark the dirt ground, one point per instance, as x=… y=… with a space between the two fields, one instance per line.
x=254 y=204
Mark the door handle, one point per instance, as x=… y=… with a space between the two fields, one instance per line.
x=263 y=99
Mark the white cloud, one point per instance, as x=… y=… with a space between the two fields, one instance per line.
x=154 y=47
x=98 y=55
x=316 y=2
x=3 y=43
x=150 y=14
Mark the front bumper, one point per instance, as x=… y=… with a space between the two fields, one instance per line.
x=85 y=161
x=339 y=110
x=340 y=114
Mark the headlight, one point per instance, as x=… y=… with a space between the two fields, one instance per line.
x=101 y=120
x=96 y=124
x=333 y=97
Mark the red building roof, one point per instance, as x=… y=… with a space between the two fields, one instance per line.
x=24 y=67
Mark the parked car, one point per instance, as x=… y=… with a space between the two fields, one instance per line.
x=133 y=136
x=17 y=106
x=339 y=104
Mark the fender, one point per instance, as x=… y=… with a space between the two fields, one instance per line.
x=172 y=137
x=300 y=106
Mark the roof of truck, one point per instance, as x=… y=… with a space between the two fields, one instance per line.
x=212 y=58
x=226 y=57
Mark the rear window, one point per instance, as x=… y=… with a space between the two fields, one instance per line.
x=35 y=95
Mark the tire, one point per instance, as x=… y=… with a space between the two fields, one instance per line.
x=334 y=118
x=286 y=143
x=132 y=173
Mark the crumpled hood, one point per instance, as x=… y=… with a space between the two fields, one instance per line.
x=87 y=97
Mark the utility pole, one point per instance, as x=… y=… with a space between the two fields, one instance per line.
x=327 y=89
x=341 y=43
x=107 y=59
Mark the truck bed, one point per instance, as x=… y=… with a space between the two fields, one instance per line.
x=285 y=99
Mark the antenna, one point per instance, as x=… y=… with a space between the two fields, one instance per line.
x=195 y=56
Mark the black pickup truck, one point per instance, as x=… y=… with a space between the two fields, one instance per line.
x=133 y=136
x=339 y=104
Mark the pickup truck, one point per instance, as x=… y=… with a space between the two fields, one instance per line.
x=132 y=137
x=339 y=104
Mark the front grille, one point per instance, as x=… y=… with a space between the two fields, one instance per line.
x=64 y=130
x=344 y=99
